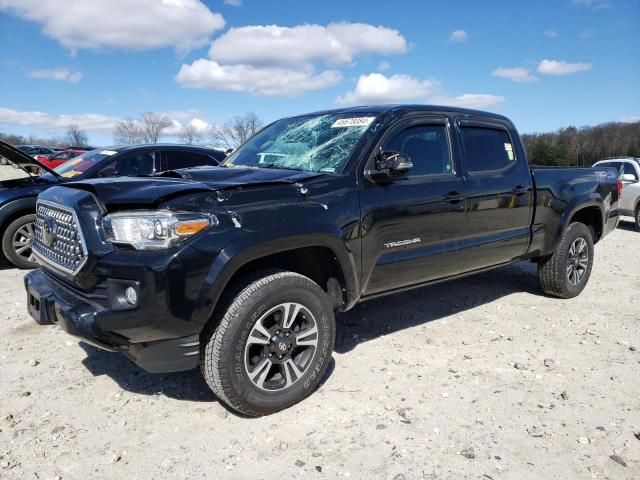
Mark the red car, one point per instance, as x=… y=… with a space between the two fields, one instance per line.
x=58 y=158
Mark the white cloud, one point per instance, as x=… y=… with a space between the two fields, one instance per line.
x=60 y=74
x=91 y=122
x=518 y=74
x=129 y=24
x=630 y=119
x=233 y=3
x=334 y=44
x=378 y=88
x=47 y=121
x=459 y=36
x=471 y=100
x=561 y=67
x=270 y=81
x=384 y=65
x=551 y=33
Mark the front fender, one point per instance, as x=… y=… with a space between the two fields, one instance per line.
x=256 y=245
x=9 y=209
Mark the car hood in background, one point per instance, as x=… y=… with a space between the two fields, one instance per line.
x=21 y=159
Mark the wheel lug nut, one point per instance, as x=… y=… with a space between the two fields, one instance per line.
x=270 y=355
x=287 y=334
x=277 y=332
x=280 y=357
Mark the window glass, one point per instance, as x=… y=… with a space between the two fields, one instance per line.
x=628 y=169
x=313 y=143
x=427 y=146
x=177 y=159
x=487 y=149
x=131 y=166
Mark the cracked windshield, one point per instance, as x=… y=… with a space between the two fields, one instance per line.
x=320 y=143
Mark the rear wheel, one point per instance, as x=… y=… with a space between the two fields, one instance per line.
x=17 y=241
x=272 y=345
x=565 y=273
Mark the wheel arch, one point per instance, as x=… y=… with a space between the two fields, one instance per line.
x=13 y=210
x=319 y=256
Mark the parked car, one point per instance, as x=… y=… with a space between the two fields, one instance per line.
x=629 y=169
x=18 y=197
x=240 y=268
x=58 y=158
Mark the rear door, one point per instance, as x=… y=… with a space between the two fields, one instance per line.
x=499 y=193
x=412 y=226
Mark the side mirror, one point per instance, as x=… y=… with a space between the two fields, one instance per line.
x=628 y=177
x=389 y=164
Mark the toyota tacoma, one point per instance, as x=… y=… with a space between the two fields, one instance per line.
x=240 y=269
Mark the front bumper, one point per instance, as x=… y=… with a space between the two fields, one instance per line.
x=49 y=302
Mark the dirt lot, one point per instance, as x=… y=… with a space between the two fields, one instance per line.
x=482 y=378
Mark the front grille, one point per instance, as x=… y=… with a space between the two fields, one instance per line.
x=58 y=239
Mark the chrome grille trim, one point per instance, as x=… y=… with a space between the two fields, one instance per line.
x=68 y=253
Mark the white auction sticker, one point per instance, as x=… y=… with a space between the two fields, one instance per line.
x=108 y=152
x=353 y=122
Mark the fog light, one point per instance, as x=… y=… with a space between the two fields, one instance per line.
x=131 y=296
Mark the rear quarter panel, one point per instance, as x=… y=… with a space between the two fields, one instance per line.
x=560 y=193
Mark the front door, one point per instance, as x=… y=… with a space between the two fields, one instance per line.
x=412 y=226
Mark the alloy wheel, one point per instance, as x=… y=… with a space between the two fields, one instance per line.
x=577 y=261
x=22 y=242
x=281 y=346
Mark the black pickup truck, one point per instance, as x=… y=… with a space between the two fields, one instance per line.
x=240 y=268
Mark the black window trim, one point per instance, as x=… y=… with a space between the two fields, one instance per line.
x=419 y=120
x=494 y=124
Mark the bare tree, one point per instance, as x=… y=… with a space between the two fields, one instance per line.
x=235 y=131
x=153 y=125
x=190 y=134
x=127 y=132
x=75 y=136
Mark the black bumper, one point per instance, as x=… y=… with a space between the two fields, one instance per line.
x=50 y=303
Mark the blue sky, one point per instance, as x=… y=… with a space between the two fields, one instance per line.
x=546 y=64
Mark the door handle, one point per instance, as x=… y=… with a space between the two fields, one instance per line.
x=452 y=197
x=518 y=190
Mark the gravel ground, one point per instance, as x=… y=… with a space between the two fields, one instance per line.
x=480 y=378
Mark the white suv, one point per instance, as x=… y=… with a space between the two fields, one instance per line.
x=629 y=168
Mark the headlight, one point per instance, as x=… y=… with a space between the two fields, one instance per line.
x=153 y=230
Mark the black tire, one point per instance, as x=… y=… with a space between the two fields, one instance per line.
x=228 y=356
x=565 y=273
x=16 y=242
x=637 y=218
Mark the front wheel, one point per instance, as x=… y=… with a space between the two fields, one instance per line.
x=272 y=344
x=17 y=240
x=637 y=218
x=565 y=273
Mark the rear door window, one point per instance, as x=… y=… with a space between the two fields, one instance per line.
x=487 y=149
x=134 y=165
x=176 y=159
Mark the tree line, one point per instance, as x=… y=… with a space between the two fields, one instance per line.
x=149 y=127
x=583 y=146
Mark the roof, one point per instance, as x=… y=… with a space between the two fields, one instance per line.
x=164 y=146
x=381 y=109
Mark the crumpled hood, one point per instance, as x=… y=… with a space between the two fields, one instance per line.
x=220 y=178
x=22 y=160
x=146 y=191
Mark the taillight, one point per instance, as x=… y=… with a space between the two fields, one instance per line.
x=619 y=185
